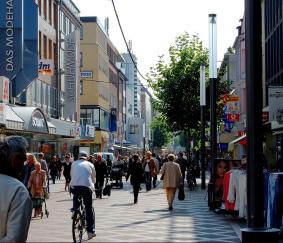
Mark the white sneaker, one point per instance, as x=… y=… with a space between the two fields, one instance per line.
x=90 y=235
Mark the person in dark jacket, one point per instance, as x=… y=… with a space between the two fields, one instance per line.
x=67 y=163
x=101 y=172
x=136 y=173
x=53 y=168
x=183 y=163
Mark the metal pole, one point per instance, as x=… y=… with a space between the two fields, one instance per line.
x=255 y=198
x=202 y=107
x=212 y=80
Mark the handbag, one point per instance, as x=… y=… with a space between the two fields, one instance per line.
x=107 y=189
x=181 y=193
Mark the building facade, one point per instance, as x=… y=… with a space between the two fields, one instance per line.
x=39 y=97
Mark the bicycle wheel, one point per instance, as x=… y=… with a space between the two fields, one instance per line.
x=78 y=227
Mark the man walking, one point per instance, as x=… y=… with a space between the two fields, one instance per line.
x=183 y=163
x=150 y=170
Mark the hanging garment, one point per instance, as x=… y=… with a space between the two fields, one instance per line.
x=226 y=181
x=242 y=195
x=275 y=200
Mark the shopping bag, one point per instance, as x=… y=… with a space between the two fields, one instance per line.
x=181 y=193
x=107 y=189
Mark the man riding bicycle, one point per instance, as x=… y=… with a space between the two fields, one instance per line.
x=82 y=184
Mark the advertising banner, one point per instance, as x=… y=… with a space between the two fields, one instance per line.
x=11 y=37
x=275 y=94
x=4 y=90
x=70 y=75
x=2 y=113
x=90 y=131
x=113 y=120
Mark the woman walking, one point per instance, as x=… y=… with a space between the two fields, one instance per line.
x=53 y=168
x=136 y=173
x=36 y=184
x=171 y=179
x=67 y=170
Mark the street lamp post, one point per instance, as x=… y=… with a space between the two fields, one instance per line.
x=255 y=198
x=212 y=80
x=202 y=106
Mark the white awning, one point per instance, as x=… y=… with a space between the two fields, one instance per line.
x=13 y=121
x=238 y=139
x=51 y=127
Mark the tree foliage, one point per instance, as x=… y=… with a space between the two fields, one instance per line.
x=161 y=136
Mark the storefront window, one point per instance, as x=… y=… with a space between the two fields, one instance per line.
x=104 y=120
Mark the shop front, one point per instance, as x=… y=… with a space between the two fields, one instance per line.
x=100 y=143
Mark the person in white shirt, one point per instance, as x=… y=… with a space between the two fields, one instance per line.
x=82 y=184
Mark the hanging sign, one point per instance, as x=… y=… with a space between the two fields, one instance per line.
x=4 y=90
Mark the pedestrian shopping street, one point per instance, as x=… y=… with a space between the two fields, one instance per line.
x=119 y=220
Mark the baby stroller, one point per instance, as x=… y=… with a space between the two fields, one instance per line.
x=116 y=175
x=38 y=202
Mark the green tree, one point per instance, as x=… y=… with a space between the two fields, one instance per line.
x=161 y=135
x=176 y=84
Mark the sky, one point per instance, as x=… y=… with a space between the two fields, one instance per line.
x=153 y=25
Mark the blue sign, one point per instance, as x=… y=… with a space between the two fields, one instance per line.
x=19 y=39
x=113 y=120
x=30 y=49
x=11 y=37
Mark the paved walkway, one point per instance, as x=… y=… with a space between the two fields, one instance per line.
x=119 y=220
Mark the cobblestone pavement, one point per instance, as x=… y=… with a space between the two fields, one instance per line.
x=119 y=220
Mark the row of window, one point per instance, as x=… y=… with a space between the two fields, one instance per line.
x=273 y=14
x=274 y=53
x=46 y=48
x=96 y=117
x=48 y=10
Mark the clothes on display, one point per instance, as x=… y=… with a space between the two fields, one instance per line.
x=235 y=191
x=274 y=215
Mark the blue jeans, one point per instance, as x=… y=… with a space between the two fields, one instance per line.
x=86 y=194
x=147 y=176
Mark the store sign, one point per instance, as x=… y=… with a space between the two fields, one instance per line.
x=233 y=117
x=275 y=94
x=232 y=107
x=113 y=120
x=2 y=113
x=38 y=122
x=70 y=66
x=11 y=37
x=4 y=90
x=86 y=74
x=45 y=67
x=90 y=131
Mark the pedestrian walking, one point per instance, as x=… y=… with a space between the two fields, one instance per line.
x=67 y=170
x=171 y=179
x=53 y=168
x=28 y=168
x=157 y=170
x=136 y=173
x=150 y=170
x=15 y=202
x=108 y=163
x=37 y=185
x=43 y=163
x=101 y=172
x=183 y=163
x=59 y=167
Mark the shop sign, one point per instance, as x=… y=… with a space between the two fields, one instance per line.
x=70 y=68
x=86 y=74
x=11 y=37
x=2 y=113
x=232 y=107
x=275 y=94
x=4 y=90
x=45 y=67
x=113 y=120
x=38 y=122
x=90 y=131
x=233 y=117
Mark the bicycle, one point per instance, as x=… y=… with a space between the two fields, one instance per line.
x=79 y=224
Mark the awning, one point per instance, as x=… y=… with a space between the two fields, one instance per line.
x=277 y=132
x=12 y=120
x=241 y=140
x=51 y=127
x=64 y=128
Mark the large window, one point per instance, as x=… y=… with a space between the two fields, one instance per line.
x=44 y=47
x=134 y=129
x=45 y=9
x=81 y=87
x=39 y=7
x=39 y=44
x=50 y=49
x=95 y=117
x=50 y=11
